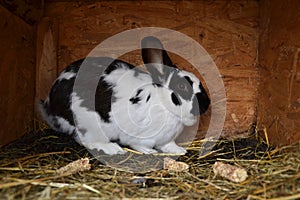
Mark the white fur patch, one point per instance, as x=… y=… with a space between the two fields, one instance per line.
x=91 y=131
x=66 y=75
x=65 y=126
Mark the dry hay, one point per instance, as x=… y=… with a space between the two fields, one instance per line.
x=28 y=170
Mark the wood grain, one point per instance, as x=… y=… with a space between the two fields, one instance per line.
x=28 y=10
x=228 y=30
x=279 y=96
x=17 y=72
x=46 y=57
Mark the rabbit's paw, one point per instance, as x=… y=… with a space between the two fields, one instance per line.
x=172 y=147
x=110 y=148
x=143 y=149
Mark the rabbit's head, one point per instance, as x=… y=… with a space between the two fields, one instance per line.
x=183 y=94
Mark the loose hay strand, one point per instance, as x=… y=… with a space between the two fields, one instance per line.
x=266 y=136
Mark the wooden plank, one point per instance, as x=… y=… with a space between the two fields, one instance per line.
x=46 y=57
x=29 y=11
x=279 y=97
x=16 y=76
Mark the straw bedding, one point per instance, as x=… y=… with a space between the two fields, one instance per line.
x=29 y=170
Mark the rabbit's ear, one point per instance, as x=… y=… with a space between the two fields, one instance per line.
x=156 y=59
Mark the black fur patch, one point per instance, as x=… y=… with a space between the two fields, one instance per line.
x=156 y=84
x=103 y=99
x=60 y=100
x=139 y=92
x=175 y=100
x=112 y=67
x=201 y=102
x=182 y=86
x=117 y=64
x=189 y=80
x=148 y=98
x=74 y=67
x=136 y=98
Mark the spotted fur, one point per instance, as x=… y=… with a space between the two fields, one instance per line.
x=146 y=111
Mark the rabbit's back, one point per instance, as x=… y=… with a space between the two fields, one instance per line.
x=58 y=111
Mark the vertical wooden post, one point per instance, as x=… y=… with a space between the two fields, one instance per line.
x=46 y=58
x=279 y=97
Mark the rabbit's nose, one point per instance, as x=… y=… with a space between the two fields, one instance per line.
x=201 y=103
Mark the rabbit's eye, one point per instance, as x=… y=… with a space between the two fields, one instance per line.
x=182 y=86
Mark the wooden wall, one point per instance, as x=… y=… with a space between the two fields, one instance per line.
x=29 y=11
x=17 y=76
x=228 y=30
x=279 y=57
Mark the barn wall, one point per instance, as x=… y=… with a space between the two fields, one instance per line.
x=29 y=11
x=17 y=76
x=228 y=30
x=279 y=56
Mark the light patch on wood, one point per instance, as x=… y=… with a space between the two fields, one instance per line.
x=234 y=118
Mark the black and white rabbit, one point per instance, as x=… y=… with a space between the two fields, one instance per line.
x=146 y=111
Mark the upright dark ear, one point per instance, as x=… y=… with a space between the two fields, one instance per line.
x=156 y=59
